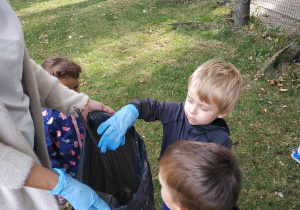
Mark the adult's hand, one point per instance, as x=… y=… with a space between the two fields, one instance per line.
x=95 y=105
x=79 y=195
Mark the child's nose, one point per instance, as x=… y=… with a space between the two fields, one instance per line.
x=193 y=109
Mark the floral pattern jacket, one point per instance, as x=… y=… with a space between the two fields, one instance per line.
x=63 y=139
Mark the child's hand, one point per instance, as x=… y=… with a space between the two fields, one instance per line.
x=79 y=195
x=115 y=128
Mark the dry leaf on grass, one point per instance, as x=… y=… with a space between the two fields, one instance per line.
x=283 y=90
x=279 y=194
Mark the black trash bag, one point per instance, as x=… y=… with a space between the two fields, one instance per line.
x=122 y=178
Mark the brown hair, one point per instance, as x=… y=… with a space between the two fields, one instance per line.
x=61 y=67
x=201 y=175
x=217 y=81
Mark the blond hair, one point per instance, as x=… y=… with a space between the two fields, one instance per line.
x=201 y=176
x=217 y=82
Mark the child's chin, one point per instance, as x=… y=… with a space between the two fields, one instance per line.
x=192 y=122
x=196 y=123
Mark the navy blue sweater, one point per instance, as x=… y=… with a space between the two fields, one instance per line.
x=176 y=125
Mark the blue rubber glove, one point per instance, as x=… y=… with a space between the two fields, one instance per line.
x=115 y=128
x=79 y=195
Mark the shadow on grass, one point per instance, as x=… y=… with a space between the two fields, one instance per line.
x=24 y=4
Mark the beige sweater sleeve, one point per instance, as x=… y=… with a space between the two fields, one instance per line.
x=54 y=95
x=16 y=156
x=15 y=167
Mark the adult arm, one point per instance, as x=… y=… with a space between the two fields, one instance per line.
x=19 y=167
x=57 y=96
x=41 y=178
x=79 y=195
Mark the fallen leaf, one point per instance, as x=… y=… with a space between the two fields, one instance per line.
x=248 y=87
x=283 y=90
x=279 y=194
x=46 y=41
x=259 y=75
x=251 y=27
x=271 y=82
x=281 y=163
x=284 y=106
x=266 y=111
x=263 y=90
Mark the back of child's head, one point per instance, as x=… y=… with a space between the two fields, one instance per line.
x=201 y=176
x=217 y=82
x=61 y=67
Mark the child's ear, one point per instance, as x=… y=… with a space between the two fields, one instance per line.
x=181 y=208
x=222 y=115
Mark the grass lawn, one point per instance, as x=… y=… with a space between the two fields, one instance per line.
x=148 y=48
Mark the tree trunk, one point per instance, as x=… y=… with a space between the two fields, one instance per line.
x=241 y=12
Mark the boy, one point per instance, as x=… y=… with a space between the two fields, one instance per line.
x=196 y=175
x=213 y=90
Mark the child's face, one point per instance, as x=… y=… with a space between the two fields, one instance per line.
x=198 y=112
x=166 y=194
x=71 y=83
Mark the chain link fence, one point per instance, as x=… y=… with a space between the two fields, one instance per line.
x=278 y=14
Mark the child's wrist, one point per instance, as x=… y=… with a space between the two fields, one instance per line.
x=133 y=109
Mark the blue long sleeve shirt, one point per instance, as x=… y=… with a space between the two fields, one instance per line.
x=176 y=126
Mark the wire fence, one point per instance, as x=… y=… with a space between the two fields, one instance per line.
x=278 y=14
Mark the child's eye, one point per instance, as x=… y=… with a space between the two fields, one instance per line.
x=204 y=109
x=76 y=87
